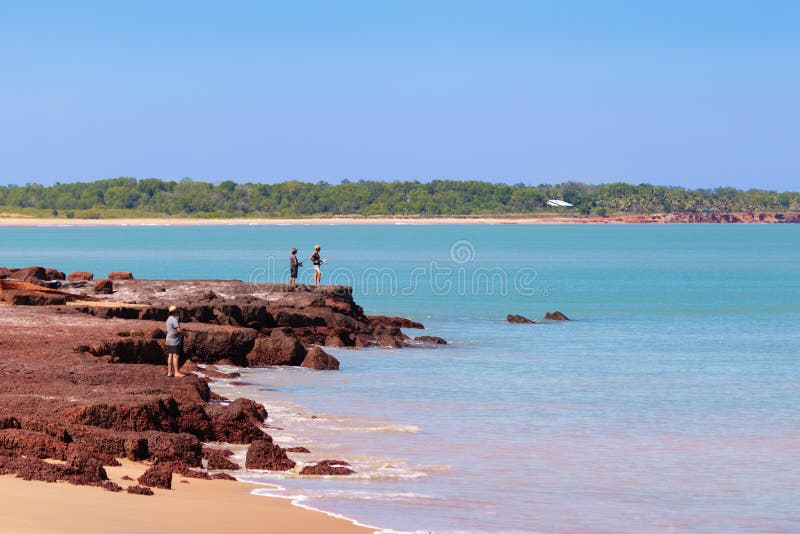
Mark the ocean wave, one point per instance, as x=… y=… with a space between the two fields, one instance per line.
x=388 y=496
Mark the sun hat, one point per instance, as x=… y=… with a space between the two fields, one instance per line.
x=316 y=247
x=172 y=309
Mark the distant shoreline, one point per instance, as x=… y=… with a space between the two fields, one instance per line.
x=657 y=218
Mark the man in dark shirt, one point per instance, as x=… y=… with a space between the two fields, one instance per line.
x=174 y=341
x=293 y=266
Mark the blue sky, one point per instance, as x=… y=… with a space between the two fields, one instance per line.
x=690 y=93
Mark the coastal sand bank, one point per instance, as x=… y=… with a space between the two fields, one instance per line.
x=192 y=505
x=22 y=221
x=571 y=218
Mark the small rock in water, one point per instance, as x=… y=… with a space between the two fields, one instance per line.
x=556 y=316
x=431 y=339
x=327 y=467
x=519 y=319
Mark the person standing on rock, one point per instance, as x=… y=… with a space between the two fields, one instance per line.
x=174 y=342
x=293 y=266
x=317 y=261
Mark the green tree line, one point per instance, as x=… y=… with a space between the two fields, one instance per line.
x=129 y=196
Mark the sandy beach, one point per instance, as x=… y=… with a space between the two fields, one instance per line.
x=13 y=220
x=182 y=221
x=211 y=506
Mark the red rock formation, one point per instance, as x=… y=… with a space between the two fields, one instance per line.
x=263 y=454
x=320 y=360
x=398 y=322
x=104 y=286
x=32 y=298
x=279 y=348
x=120 y=275
x=36 y=274
x=63 y=400
x=301 y=450
x=157 y=476
x=219 y=460
x=239 y=422
x=80 y=275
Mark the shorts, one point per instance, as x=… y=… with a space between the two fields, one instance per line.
x=317 y=269
x=293 y=272
x=173 y=349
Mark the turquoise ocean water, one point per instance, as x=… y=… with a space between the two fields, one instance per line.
x=670 y=403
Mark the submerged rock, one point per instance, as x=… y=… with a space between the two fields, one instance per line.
x=556 y=316
x=431 y=339
x=328 y=468
x=519 y=319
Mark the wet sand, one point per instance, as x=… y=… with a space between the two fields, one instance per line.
x=196 y=506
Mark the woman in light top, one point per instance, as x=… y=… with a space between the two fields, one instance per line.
x=317 y=261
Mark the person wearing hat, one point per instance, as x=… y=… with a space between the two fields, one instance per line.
x=293 y=266
x=174 y=341
x=317 y=261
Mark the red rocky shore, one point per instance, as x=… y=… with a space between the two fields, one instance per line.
x=82 y=371
x=701 y=217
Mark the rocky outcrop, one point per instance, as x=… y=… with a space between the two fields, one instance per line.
x=700 y=217
x=65 y=395
x=519 y=319
x=398 y=322
x=34 y=275
x=328 y=468
x=120 y=275
x=556 y=316
x=32 y=298
x=263 y=454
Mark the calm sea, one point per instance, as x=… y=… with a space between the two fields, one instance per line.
x=671 y=401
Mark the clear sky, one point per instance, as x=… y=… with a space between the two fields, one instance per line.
x=692 y=93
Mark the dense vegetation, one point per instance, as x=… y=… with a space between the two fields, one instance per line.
x=151 y=197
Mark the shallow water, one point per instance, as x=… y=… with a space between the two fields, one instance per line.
x=670 y=402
